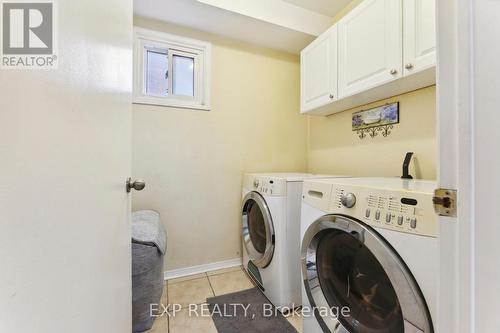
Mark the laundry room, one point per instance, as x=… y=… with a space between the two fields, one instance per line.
x=288 y=166
x=254 y=125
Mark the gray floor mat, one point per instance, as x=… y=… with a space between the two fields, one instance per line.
x=230 y=317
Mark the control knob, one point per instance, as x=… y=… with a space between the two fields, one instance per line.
x=348 y=200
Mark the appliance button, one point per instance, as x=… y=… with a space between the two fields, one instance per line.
x=256 y=183
x=368 y=212
x=348 y=200
x=388 y=218
x=377 y=215
x=400 y=220
x=413 y=223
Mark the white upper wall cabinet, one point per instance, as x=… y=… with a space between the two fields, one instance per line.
x=382 y=48
x=370 y=44
x=419 y=30
x=318 y=78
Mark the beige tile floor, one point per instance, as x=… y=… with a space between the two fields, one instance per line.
x=196 y=289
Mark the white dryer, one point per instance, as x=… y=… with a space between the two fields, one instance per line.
x=369 y=244
x=271 y=234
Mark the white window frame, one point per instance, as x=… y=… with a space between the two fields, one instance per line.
x=148 y=40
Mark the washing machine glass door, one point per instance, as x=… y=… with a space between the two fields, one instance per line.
x=348 y=265
x=258 y=230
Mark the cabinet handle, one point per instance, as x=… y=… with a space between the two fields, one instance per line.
x=331 y=96
x=394 y=71
x=409 y=66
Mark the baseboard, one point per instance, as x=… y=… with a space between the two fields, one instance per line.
x=181 y=272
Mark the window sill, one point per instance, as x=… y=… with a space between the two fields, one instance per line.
x=171 y=103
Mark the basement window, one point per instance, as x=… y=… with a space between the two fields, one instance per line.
x=171 y=70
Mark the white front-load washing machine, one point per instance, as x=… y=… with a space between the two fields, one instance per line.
x=369 y=255
x=271 y=234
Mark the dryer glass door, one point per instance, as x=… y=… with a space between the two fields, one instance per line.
x=348 y=265
x=257 y=227
x=350 y=275
x=258 y=230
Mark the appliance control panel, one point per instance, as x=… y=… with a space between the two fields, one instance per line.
x=269 y=186
x=404 y=211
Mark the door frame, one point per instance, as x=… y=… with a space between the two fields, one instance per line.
x=454 y=132
x=467 y=102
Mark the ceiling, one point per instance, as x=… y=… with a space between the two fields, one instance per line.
x=237 y=19
x=325 y=7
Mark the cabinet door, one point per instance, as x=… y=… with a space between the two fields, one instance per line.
x=318 y=64
x=370 y=44
x=419 y=28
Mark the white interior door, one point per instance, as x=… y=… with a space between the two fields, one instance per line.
x=65 y=140
x=370 y=44
x=419 y=35
x=468 y=99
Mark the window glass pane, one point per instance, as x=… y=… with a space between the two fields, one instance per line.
x=183 y=76
x=156 y=74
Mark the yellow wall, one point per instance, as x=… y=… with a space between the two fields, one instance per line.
x=335 y=148
x=193 y=161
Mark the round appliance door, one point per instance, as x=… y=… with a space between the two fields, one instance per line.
x=258 y=230
x=348 y=265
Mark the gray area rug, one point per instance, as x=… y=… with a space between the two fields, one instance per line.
x=244 y=312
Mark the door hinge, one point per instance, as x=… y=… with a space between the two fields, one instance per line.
x=445 y=202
